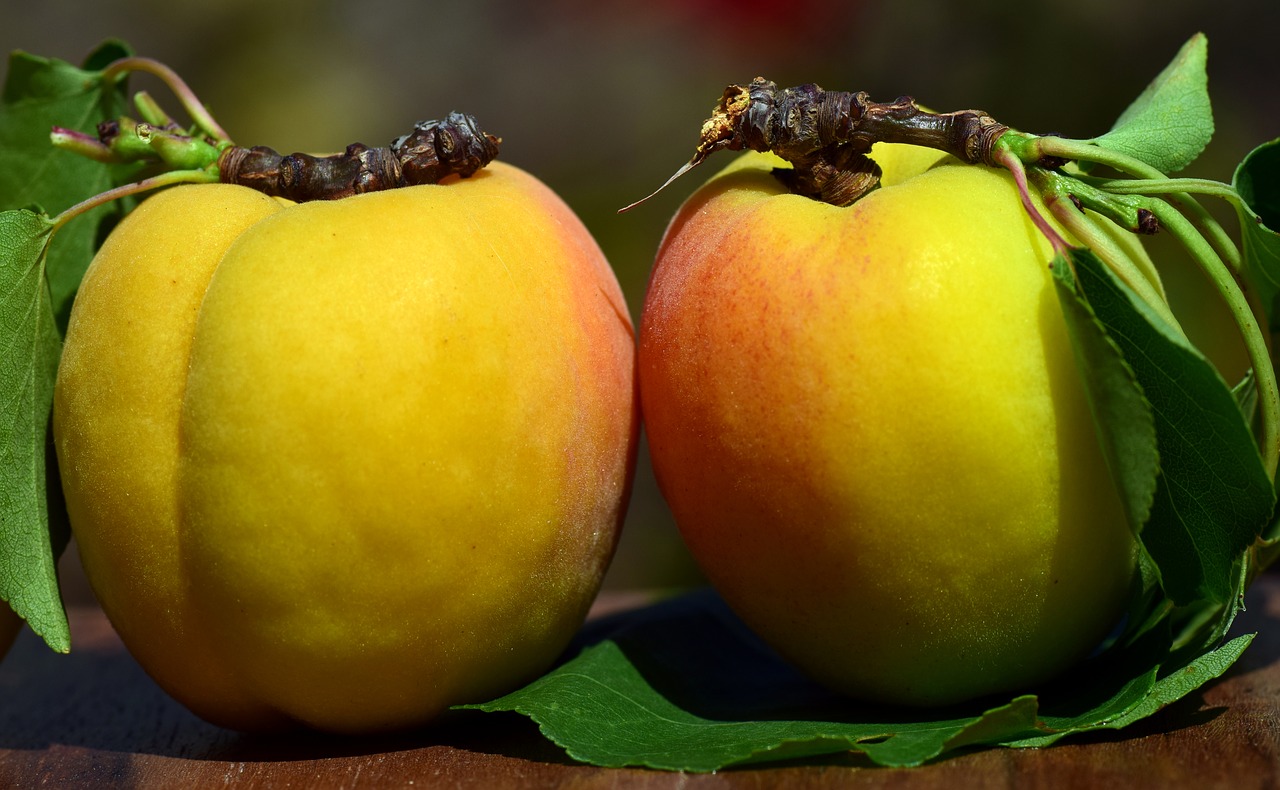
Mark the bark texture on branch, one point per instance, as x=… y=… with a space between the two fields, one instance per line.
x=427 y=155
x=826 y=135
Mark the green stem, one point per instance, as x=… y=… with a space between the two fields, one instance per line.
x=130 y=141
x=190 y=102
x=152 y=112
x=1211 y=229
x=1120 y=262
x=1057 y=191
x=155 y=182
x=1254 y=339
x=1087 y=152
x=1178 y=189
x=82 y=144
x=1063 y=148
x=1164 y=186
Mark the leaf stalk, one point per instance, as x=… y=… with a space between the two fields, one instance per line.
x=191 y=103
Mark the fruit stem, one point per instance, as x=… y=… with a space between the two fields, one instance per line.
x=431 y=152
x=1063 y=148
x=1164 y=186
x=1217 y=255
x=131 y=141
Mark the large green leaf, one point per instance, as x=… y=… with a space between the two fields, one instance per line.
x=1171 y=122
x=28 y=364
x=683 y=685
x=1213 y=496
x=1123 y=416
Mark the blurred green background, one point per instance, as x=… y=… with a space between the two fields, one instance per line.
x=603 y=99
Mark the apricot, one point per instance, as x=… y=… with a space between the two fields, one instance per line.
x=347 y=463
x=872 y=433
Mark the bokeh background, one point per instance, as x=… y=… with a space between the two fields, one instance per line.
x=603 y=99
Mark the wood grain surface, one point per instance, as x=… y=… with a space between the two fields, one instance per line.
x=94 y=719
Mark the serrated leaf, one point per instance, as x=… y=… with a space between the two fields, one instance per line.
x=1170 y=124
x=1121 y=413
x=1171 y=687
x=1186 y=679
x=1213 y=496
x=40 y=93
x=1257 y=180
x=28 y=365
x=683 y=685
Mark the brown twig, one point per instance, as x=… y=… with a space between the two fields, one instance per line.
x=432 y=151
x=826 y=135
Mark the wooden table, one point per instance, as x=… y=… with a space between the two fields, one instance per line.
x=93 y=718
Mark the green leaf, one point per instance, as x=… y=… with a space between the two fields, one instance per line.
x=1121 y=413
x=1170 y=124
x=1186 y=679
x=1213 y=496
x=683 y=685
x=40 y=93
x=1257 y=180
x=29 y=537
x=1169 y=688
x=39 y=274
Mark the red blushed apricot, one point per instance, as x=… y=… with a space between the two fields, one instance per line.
x=870 y=428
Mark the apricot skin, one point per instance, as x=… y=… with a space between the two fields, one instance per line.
x=347 y=463
x=871 y=431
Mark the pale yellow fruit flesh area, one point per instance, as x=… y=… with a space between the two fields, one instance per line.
x=405 y=429
x=118 y=395
x=907 y=496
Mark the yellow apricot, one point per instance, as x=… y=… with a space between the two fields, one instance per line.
x=347 y=463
